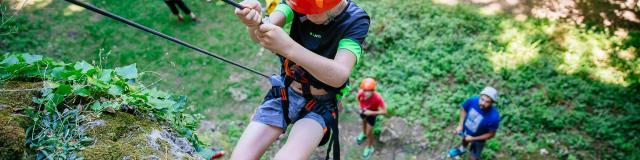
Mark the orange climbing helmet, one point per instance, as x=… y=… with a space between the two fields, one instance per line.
x=312 y=6
x=368 y=84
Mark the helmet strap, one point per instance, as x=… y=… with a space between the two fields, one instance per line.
x=333 y=13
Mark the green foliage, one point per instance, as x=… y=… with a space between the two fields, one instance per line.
x=56 y=135
x=79 y=84
x=83 y=35
x=47 y=29
x=429 y=58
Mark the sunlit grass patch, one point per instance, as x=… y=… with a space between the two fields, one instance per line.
x=20 y=4
x=571 y=49
x=595 y=54
x=70 y=9
x=519 y=48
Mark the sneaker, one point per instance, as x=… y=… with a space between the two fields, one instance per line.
x=210 y=153
x=180 y=18
x=368 y=151
x=454 y=152
x=361 y=137
x=193 y=17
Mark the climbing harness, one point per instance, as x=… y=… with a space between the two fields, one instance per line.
x=325 y=105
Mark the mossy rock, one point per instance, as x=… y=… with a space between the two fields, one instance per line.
x=14 y=97
x=125 y=136
x=12 y=137
x=117 y=135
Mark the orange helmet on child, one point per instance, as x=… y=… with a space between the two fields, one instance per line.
x=312 y=6
x=368 y=84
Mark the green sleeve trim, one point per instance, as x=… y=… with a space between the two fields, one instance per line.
x=351 y=45
x=286 y=10
x=343 y=91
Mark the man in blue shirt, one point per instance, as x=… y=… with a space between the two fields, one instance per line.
x=479 y=121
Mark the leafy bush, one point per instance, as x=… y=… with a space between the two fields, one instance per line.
x=82 y=88
x=57 y=135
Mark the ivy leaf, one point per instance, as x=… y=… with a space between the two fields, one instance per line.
x=30 y=59
x=57 y=73
x=52 y=102
x=81 y=91
x=11 y=60
x=158 y=94
x=115 y=90
x=83 y=67
x=105 y=75
x=64 y=89
x=72 y=75
x=96 y=83
x=180 y=102
x=96 y=106
x=161 y=104
x=127 y=72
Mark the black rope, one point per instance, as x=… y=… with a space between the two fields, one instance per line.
x=237 y=5
x=233 y=3
x=149 y=30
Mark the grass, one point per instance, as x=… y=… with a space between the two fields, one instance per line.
x=564 y=88
x=84 y=35
x=49 y=28
x=568 y=89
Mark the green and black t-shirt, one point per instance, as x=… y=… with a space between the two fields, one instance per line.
x=346 y=31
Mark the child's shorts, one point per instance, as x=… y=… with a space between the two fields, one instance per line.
x=270 y=112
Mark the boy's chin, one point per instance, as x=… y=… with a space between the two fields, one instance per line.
x=317 y=22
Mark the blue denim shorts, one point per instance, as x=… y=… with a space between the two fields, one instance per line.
x=270 y=112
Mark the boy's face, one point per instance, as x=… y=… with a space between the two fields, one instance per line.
x=367 y=94
x=322 y=18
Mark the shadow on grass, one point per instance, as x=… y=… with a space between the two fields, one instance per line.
x=615 y=15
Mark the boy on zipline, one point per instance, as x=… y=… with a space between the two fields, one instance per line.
x=371 y=105
x=317 y=58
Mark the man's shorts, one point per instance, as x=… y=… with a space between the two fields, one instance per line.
x=475 y=148
x=270 y=112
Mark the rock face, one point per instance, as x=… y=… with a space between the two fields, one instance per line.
x=178 y=147
x=116 y=135
x=397 y=131
x=14 y=96
x=125 y=136
x=12 y=137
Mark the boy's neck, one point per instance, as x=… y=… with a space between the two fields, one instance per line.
x=340 y=7
x=336 y=11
